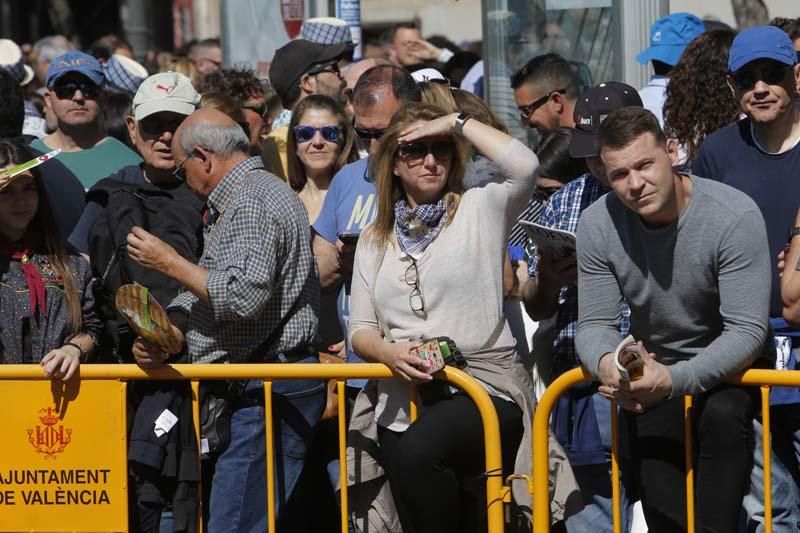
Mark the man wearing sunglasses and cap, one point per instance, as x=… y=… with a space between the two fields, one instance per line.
x=299 y=69
x=760 y=155
x=160 y=105
x=74 y=94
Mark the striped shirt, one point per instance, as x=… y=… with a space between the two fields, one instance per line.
x=563 y=212
x=262 y=278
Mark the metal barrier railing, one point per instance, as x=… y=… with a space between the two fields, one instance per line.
x=765 y=379
x=270 y=372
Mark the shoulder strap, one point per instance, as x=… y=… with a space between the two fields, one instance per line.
x=381 y=322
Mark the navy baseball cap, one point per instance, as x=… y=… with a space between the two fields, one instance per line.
x=75 y=61
x=591 y=109
x=669 y=37
x=761 y=42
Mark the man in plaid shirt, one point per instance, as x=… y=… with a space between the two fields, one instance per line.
x=581 y=421
x=254 y=297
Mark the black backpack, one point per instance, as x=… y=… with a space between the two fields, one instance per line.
x=173 y=216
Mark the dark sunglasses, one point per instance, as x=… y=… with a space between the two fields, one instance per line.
x=156 y=126
x=367 y=135
x=528 y=110
x=441 y=150
x=66 y=91
x=331 y=68
x=306 y=133
x=744 y=80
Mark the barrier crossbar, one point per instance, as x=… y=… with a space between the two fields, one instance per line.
x=270 y=372
x=764 y=379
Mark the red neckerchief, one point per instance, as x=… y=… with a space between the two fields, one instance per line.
x=23 y=251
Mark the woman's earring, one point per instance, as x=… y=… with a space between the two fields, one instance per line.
x=395 y=171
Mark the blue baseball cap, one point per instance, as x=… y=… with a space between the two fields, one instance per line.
x=761 y=42
x=75 y=62
x=669 y=37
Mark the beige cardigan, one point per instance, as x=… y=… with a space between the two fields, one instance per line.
x=460 y=275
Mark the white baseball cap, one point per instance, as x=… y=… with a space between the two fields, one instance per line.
x=166 y=91
x=11 y=60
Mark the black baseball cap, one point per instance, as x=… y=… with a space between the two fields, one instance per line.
x=593 y=106
x=296 y=58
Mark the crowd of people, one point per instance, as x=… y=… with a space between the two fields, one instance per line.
x=364 y=211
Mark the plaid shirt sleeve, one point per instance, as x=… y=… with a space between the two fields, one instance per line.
x=242 y=289
x=548 y=219
x=183 y=303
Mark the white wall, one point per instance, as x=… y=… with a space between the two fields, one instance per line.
x=459 y=20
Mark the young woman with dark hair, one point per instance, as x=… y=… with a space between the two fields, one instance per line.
x=46 y=302
x=699 y=100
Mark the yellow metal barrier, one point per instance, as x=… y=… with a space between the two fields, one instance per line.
x=270 y=372
x=765 y=379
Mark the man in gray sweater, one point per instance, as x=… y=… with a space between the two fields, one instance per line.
x=690 y=257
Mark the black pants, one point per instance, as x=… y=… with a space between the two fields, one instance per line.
x=723 y=457
x=434 y=468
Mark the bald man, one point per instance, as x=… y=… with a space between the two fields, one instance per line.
x=253 y=298
x=351 y=75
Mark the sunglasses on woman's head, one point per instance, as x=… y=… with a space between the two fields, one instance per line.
x=66 y=91
x=746 y=79
x=306 y=133
x=441 y=150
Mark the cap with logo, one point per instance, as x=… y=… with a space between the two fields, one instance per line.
x=327 y=30
x=78 y=62
x=166 y=91
x=11 y=61
x=669 y=36
x=296 y=58
x=761 y=42
x=123 y=74
x=593 y=106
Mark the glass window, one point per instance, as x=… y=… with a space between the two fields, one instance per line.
x=518 y=30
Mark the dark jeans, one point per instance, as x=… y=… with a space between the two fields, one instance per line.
x=434 y=467
x=238 y=489
x=723 y=457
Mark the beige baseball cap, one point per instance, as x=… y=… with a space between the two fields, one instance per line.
x=166 y=91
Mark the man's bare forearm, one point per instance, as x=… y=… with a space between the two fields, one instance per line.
x=191 y=276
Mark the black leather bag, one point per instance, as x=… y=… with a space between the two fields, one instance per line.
x=217 y=400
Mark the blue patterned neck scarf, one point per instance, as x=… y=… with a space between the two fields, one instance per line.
x=416 y=228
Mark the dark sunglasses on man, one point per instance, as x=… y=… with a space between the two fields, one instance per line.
x=418 y=151
x=66 y=91
x=331 y=68
x=530 y=109
x=367 y=135
x=154 y=125
x=746 y=78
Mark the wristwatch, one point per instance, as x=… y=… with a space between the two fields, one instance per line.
x=794 y=232
x=460 y=120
